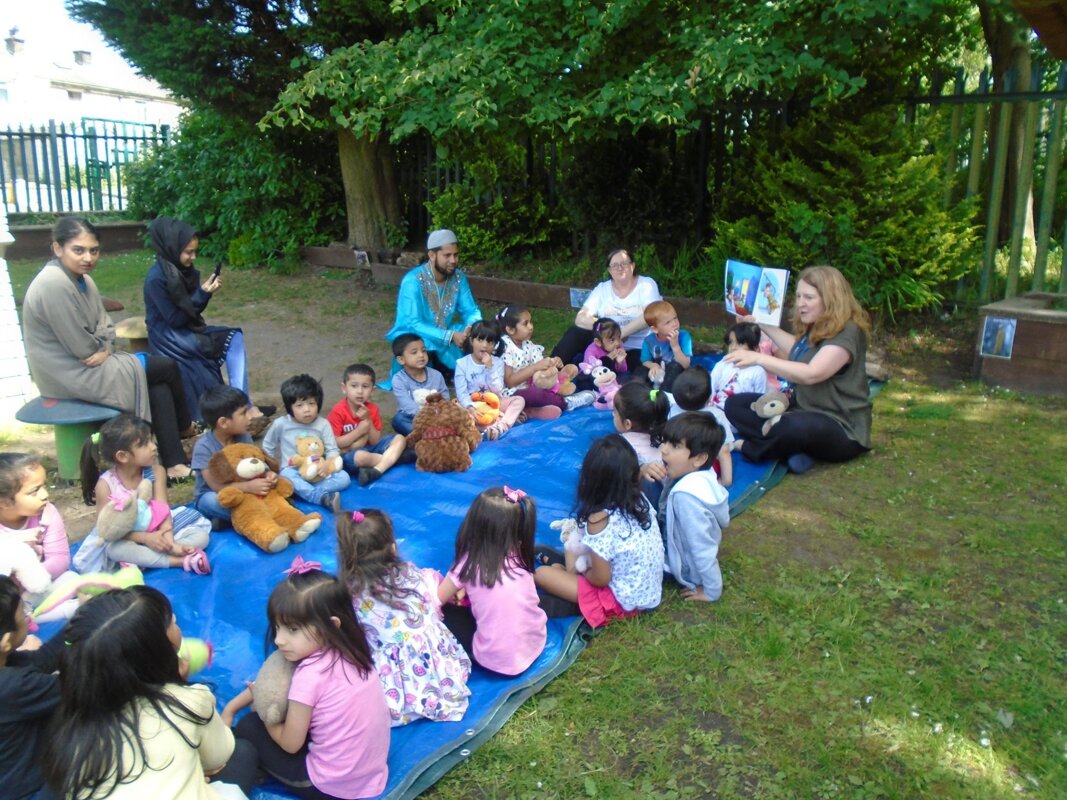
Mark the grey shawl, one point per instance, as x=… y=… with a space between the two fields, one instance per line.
x=61 y=324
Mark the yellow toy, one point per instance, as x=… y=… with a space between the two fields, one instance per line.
x=310 y=460
x=486 y=408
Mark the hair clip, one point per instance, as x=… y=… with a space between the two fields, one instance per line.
x=652 y=395
x=300 y=566
x=95 y=438
x=513 y=495
x=357 y=517
x=502 y=313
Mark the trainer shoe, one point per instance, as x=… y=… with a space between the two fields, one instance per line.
x=799 y=463
x=580 y=400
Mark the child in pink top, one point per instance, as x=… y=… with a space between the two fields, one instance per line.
x=26 y=514
x=500 y=623
x=335 y=734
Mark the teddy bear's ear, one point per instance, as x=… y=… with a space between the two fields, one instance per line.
x=221 y=468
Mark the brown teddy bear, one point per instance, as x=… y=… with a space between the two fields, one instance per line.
x=444 y=436
x=269 y=522
x=770 y=406
x=309 y=460
x=556 y=380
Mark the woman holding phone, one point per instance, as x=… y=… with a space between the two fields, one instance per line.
x=175 y=300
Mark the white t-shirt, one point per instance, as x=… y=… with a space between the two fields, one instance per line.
x=603 y=302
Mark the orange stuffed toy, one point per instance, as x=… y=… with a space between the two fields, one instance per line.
x=269 y=522
x=486 y=408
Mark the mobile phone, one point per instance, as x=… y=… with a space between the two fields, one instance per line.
x=218 y=269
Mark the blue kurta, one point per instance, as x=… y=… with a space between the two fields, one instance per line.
x=169 y=334
x=454 y=310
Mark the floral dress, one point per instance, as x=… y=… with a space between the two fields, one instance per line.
x=422 y=667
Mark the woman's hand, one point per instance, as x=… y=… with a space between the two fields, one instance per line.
x=212 y=284
x=744 y=358
x=96 y=359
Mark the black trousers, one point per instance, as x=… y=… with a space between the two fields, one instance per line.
x=288 y=768
x=812 y=432
x=242 y=767
x=170 y=414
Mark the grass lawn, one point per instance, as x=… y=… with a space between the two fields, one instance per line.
x=890 y=628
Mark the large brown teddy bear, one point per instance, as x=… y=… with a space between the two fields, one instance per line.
x=269 y=522
x=444 y=436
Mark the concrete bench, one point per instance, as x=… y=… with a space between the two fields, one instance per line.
x=73 y=422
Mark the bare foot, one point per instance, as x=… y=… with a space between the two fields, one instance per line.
x=179 y=471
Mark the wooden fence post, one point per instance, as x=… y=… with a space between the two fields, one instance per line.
x=1022 y=188
x=996 y=192
x=1048 y=193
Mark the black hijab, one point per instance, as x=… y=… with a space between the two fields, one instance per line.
x=169 y=237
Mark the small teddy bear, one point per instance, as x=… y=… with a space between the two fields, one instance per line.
x=553 y=379
x=605 y=386
x=571 y=536
x=270 y=692
x=123 y=515
x=309 y=460
x=444 y=436
x=19 y=560
x=770 y=406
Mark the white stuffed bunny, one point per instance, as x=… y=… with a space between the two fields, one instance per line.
x=19 y=560
x=571 y=536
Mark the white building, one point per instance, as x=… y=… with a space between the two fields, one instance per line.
x=53 y=68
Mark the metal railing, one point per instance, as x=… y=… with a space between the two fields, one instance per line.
x=77 y=167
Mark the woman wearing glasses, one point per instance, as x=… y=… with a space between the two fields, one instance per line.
x=622 y=298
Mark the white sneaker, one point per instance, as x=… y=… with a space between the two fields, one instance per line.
x=580 y=400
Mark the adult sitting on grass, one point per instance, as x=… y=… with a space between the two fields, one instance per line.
x=70 y=344
x=435 y=303
x=174 y=301
x=622 y=298
x=829 y=418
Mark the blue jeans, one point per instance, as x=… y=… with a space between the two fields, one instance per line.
x=402 y=423
x=349 y=458
x=208 y=505
x=313 y=492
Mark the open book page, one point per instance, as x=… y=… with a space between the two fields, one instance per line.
x=759 y=291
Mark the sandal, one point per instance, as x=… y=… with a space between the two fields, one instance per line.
x=196 y=562
x=496 y=430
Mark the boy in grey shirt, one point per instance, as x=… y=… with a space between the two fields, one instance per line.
x=416 y=376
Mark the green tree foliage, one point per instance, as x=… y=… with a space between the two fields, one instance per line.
x=235 y=56
x=254 y=200
x=571 y=65
x=864 y=196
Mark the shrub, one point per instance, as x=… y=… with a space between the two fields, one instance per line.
x=257 y=200
x=863 y=196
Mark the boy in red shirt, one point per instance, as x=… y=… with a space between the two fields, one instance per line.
x=357 y=426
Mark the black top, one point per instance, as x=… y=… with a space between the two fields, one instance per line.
x=29 y=693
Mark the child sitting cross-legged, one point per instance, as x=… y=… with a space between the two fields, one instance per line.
x=158 y=538
x=422 y=668
x=357 y=426
x=414 y=381
x=226 y=410
x=697 y=506
x=481 y=371
x=302 y=396
x=619 y=526
x=666 y=351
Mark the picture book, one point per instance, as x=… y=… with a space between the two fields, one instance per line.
x=759 y=291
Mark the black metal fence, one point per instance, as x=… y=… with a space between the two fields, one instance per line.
x=77 y=167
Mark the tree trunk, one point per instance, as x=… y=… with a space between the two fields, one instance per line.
x=371 y=196
x=1007 y=40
